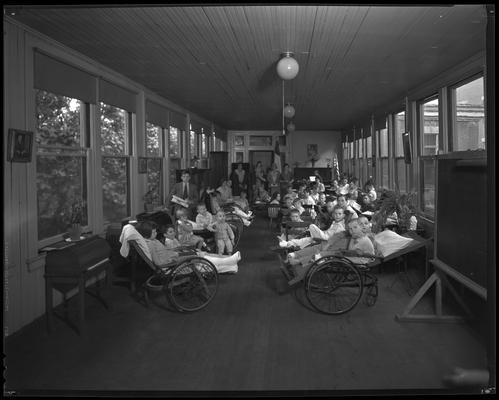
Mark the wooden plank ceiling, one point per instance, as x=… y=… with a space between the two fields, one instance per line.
x=219 y=61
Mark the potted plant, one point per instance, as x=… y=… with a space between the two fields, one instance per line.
x=150 y=198
x=394 y=208
x=75 y=219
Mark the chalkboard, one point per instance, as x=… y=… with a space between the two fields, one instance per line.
x=461 y=219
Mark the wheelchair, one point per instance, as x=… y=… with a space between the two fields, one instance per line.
x=189 y=284
x=334 y=284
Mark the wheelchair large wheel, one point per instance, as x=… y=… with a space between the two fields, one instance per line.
x=237 y=225
x=193 y=284
x=333 y=285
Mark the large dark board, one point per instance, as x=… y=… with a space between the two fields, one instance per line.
x=461 y=226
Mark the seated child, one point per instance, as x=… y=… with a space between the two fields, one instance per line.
x=261 y=195
x=275 y=198
x=215 y=206
x=242 y=202
x=224 y=236
x=161 y=255
x=297 y=203
x=290 y=193
x=185 y=229
x=294 y=232
x=359 y=249
x=203 y=218
x=337 y=225
x=171 y=242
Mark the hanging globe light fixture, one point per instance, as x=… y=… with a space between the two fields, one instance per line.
x=291 y=127
x=287 y=67
x=289 y=111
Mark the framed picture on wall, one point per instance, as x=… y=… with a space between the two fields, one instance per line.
x=238 y=140
x=239 y=156
x=142 y=165
x=20 y=145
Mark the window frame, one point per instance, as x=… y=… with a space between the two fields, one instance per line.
x=428 y=214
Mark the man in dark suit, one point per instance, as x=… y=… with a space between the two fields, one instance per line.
x=187 y=191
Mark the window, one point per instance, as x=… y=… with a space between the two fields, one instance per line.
x=400 y=166
x=174 y=143
x=153 y=140
x=468 y=116
x=204 y=146
x=428 y=133
x=61 y=161
x=193 y=148
x=115 y=161
x=383 y=157
x=369 y=155
x=429 y=111
x=154 y=150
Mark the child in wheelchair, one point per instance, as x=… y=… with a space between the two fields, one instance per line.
x=162 y=255
x=355 y=245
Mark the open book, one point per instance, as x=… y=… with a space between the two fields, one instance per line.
x=178 y=200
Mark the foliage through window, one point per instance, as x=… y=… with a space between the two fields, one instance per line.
x=61 y=161
x=115 y=162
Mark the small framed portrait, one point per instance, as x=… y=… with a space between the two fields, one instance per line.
x=142 y=165
x=20 y=145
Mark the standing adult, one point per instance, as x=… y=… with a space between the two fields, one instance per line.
x=187 y=191
x=239 y=180
x=273 y=179
x=286 y=179
x=260 y=174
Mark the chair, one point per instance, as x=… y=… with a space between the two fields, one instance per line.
x=273 y=211
x=189 y=283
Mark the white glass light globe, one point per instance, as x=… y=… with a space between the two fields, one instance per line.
x=287 y=68
x=289 y=111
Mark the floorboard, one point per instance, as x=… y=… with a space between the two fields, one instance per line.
x=248 y=339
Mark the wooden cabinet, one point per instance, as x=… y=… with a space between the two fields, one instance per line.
x=219 y=164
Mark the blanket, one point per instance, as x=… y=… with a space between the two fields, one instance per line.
x=130 y=233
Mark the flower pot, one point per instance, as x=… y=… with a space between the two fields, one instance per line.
x=74 y=232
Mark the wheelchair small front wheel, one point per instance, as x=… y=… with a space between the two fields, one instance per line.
x=193 y=284
x=333 y=285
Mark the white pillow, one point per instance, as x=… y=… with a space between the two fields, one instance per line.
x=389 y=242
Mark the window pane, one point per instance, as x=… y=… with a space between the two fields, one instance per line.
x=115 y=188
x=361 y=147
x=399 y=126
x=428 y=201
x=60 y=180
x=430 y=128
x=174 y=142
x=469 y=116
x=383 y=142
x=204 y=146
x=384 y=172
x=113 y=129
x=400 y=168
x=154 y=178
x=153 y=146
x=192 y=144
x=369 y=147
x=58 y=120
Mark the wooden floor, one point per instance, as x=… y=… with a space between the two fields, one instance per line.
x=248 y=339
